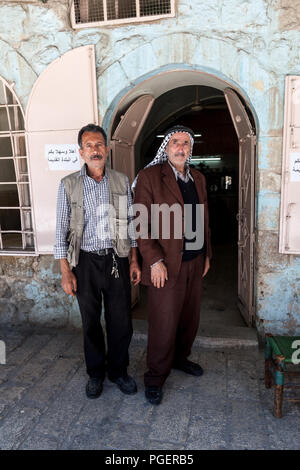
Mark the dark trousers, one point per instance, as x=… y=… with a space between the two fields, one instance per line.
x=173 y=316
x=95 y=280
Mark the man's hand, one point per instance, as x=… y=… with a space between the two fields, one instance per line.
x=206 y=266
x=135 y=272
x=68 y=281
x=159 y=274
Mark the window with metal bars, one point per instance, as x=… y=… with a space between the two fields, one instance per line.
x=91 y=12
x=16 y=228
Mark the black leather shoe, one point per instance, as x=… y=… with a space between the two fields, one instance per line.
x=94 y=387
x=154 y=394
x=189 y=367
x=126 y=384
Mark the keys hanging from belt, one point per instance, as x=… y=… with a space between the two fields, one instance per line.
x=114 y=271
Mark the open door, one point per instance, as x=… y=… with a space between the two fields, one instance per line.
x=246 y=231
x=122 y=148
x=126 y=135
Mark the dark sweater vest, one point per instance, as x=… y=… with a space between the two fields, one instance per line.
x=190 y=196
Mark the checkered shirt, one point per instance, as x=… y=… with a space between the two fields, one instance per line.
x=96 y=236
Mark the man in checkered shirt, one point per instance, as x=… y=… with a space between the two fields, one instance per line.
x=99 y=271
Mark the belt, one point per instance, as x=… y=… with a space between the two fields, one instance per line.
x=103 y=252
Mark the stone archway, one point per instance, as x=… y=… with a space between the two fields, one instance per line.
x=244 y=121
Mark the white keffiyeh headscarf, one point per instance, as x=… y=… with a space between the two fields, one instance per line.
x=161 y=155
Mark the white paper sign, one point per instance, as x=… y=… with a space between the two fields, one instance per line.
x=295 y=166
x=62 y=156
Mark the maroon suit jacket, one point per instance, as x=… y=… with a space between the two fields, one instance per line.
x=157 y=185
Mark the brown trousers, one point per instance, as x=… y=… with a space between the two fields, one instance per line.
x=173 y=318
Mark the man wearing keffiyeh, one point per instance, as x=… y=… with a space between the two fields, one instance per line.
x=172 y=270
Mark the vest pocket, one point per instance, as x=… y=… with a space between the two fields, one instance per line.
x=71 y=248
x=119 y=235
x=119 y=203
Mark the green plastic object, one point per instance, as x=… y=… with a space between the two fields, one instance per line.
x=282 y=345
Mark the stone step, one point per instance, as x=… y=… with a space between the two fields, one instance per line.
x=210 y=336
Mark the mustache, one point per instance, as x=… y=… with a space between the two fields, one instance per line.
x=96 y=157
x=179 y=154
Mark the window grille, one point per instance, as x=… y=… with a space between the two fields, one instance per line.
x=105 y=12
x=16 y=228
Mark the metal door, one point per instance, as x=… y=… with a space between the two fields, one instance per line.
x=246 y=231
x=126 y=135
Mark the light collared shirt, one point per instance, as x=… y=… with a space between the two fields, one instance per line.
x=96 y=233
x=184 y=177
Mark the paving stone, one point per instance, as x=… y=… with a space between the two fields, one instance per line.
x=63 y=411
x=212 y=361
x=29 y=373
x=162 y=445
x=242 y=380
x=52 y=382
x=83 y=438
x=202 y=445
x=120 y=436
x=94 y=411
x=283 y=432
x=266 y=397
x=140 y=411
x=141 y=369
x=36 y=442
x=210 y=394
x=13 y=427
x=136 y=355
x=171 y=418
x=247 y=425
x=27 y=349
x=207 y=429
x=75 y=349
x=109 y=435
x=9 y=394
x=12 y=341
x=252 y=354
x=56 y=346
x=5 y=371
x=183 y=382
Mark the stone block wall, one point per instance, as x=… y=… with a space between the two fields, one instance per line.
x=30 y=293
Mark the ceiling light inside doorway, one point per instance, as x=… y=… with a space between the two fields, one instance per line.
x=161 y=136
x=206 y=159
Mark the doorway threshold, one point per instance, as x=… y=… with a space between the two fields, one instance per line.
x=215 y=336
x=210 y=336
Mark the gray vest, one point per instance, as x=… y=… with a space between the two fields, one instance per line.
x=118 y=213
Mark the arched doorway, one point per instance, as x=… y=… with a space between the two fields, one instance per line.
x=224 y=151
